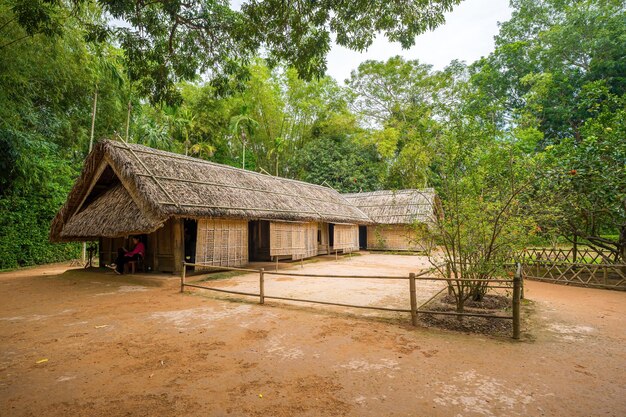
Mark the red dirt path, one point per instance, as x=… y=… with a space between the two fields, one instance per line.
x=122 y=346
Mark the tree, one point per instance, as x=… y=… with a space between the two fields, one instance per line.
x=169 y=41
x=46 y=93
x=335 y=158
x=242 y=128
x=586 y=181
x=384 y=90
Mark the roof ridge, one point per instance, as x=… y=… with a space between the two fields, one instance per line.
x=391 y=192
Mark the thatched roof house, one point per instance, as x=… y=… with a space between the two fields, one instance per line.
x=132 y=189
x=395 y=214
x=396 y=207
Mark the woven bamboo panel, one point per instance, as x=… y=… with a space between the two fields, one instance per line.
x=296 y=239
x=310 y=240
x=222 y=242
x=392 y=237
x=346 y=237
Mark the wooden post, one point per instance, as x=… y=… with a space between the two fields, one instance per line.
x=182 y=278
x=413 y=299
x=575 y=249
x=516 y=301
x=262 y=286
x=449 y=276
x=178 y=243
x=521 y=276
x=276 y=263
x=605 y=274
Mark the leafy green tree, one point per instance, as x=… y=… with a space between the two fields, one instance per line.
x=46 y=91
x=169 y=41
x=586 y=181
x=555 y=47
x=335 y=158
x=385 y=90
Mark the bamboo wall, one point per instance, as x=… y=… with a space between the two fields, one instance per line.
x=298 y=240
x=222 y=242
x=346 y=237
x=393 y=237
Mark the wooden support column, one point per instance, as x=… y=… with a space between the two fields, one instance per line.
x=153 y=247
x=413 y=297
x=178 y=244
x=516 y=301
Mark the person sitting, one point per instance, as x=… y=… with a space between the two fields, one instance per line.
x=123 y=256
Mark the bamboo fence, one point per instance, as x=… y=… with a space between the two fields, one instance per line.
x=607 y=276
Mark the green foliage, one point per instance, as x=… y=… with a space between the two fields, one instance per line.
x=46 y=92
x=523 y=145
x=41 y=181
x=168 y=41
x=335 y=158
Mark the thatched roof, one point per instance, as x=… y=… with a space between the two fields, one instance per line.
x=396 y=207
x=94 y=220
x=159 y=185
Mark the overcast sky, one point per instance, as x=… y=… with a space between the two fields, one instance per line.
x=466 y=35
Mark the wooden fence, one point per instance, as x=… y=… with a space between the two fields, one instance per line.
x=608 y=276
x=515 y=284
x=578 y=255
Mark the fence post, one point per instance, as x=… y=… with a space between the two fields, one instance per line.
x=516 y=301
x=182 y=278
x=521 y=276
x=262 y=286
x=449 y=275
x=605 y=274
x=413 y=299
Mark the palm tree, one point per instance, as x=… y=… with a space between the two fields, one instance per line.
x=239 y=125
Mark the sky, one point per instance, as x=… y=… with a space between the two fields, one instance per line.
x=467 y=35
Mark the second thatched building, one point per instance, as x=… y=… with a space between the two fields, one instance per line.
x=401 y=218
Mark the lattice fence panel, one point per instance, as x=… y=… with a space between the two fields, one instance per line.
x=222 y=242
x=346 y=237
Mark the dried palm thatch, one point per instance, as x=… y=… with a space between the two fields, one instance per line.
x=94 y=221
x=396 y=207
x=163 y=185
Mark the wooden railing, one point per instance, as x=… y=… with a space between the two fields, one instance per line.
x=598 y=275
x=515 y=284
x=580 y=255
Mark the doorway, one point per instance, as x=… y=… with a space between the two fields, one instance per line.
x=259 y=241
x=191 y=236
x=362 y=237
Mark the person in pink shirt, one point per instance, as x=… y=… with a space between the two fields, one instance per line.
x=123 y=256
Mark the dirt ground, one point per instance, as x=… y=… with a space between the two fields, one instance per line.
x=135 y=346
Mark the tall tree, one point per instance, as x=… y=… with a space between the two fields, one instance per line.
x=169 y=41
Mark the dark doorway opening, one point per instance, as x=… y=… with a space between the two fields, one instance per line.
x=331 y=235
x=362 y=237
x=191 y=236
x=259 y=241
